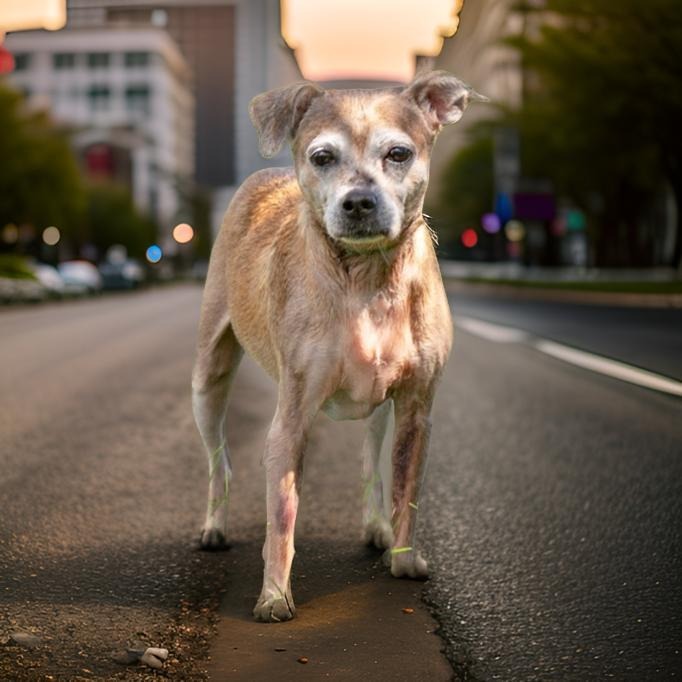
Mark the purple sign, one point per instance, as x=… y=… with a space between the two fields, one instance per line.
x=529 y=206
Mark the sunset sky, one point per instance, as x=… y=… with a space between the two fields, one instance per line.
x=366 y=38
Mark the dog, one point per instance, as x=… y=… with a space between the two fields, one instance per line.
x=326 y=273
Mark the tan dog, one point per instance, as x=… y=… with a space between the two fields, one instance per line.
x=327 y=275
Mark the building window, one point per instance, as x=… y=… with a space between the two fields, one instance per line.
x=64 y=60
x=98 y=60
x=133 y=59
x=99 y=96
x=22 y=61
x=137 y=98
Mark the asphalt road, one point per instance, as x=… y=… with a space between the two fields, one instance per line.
x=650 y=338
x=552 y=511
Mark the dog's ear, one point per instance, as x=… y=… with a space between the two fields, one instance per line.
x=276 y=114
x=441 y=97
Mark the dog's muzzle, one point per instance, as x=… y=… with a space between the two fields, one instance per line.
x=360 y=217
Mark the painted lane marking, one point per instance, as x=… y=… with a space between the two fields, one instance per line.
x=492 y=332
x=611 y=368
x=580 y=358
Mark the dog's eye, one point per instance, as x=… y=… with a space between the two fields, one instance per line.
x=399 y=154
x=322 y=157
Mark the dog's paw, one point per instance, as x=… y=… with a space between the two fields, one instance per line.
x=407 y=564
x=213 y=540
x=378 y=533
x=274 y=609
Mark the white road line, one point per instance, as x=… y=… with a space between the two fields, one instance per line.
x=492 y=332
x=612 y=368
x=595 y=363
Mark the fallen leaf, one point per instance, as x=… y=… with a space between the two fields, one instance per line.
x=302 y=659
x=407 y=609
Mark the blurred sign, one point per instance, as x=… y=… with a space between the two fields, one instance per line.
x=6 y=61
x=23 y=15
x=533 y=206
x=503 y=207
x=575 y=220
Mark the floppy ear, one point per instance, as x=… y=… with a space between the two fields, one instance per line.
x=276 y=114
x=441 y=97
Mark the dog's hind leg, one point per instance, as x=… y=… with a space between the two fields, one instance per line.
x=218 y=355
x=376 y=526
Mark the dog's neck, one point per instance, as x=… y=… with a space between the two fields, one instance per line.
x=366 y=272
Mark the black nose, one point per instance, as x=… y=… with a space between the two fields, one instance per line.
x=359 y=203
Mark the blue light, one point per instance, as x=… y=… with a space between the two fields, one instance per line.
x=154 y=253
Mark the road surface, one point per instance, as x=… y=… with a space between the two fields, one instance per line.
x=551 y=516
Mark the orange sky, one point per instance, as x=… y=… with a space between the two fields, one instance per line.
x=366 y=38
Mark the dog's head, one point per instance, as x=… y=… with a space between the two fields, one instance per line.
x=361 y=156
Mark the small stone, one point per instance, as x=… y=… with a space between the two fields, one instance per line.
x=407 y=609
x=279 y=648
x=25 y=639
x=302 y=659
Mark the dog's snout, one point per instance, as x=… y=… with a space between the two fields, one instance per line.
x=359 y=203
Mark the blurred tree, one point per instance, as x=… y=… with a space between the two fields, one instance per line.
x=40 y=183
x=466 y=189
x=602 y=112
x=113 y=219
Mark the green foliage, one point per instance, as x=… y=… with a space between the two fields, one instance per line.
x=39 y=179
x=14 y=267
x=113 y=219
x=466 y=187
x=602 y=109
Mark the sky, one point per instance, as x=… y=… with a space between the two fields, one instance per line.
x=366 y=39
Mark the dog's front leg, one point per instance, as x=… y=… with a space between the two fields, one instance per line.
x=412 y=430
x=283 y=461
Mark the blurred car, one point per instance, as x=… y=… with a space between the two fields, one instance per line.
x=128 y=274
x=50 y=279
x=80 y=277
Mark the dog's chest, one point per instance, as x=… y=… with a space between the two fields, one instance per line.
x=377 y=353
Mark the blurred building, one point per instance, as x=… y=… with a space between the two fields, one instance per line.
x=235 y=50
x=477 y=55
x=128 y=97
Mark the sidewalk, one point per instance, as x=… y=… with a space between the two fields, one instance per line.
x=512 y=280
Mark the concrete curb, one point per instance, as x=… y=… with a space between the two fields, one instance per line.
x=608 y=298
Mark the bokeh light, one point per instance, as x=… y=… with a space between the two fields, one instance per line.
x=183 y=233
x=491 y=223
x=154 y=253
x=10 y=234
x=469 y=238
x=51 y=235
x=515 y=230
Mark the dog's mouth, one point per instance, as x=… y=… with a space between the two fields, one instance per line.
x=365 y=239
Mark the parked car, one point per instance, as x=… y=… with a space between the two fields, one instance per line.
x=80 y=277
x=50 y=278
x=128 y=274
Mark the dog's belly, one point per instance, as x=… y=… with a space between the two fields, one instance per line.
x=341 y=407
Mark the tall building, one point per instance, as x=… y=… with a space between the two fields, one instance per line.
x=235 y=50
x=126 y=95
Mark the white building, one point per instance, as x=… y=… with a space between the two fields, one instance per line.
x=236 y=51
x=127 y=95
